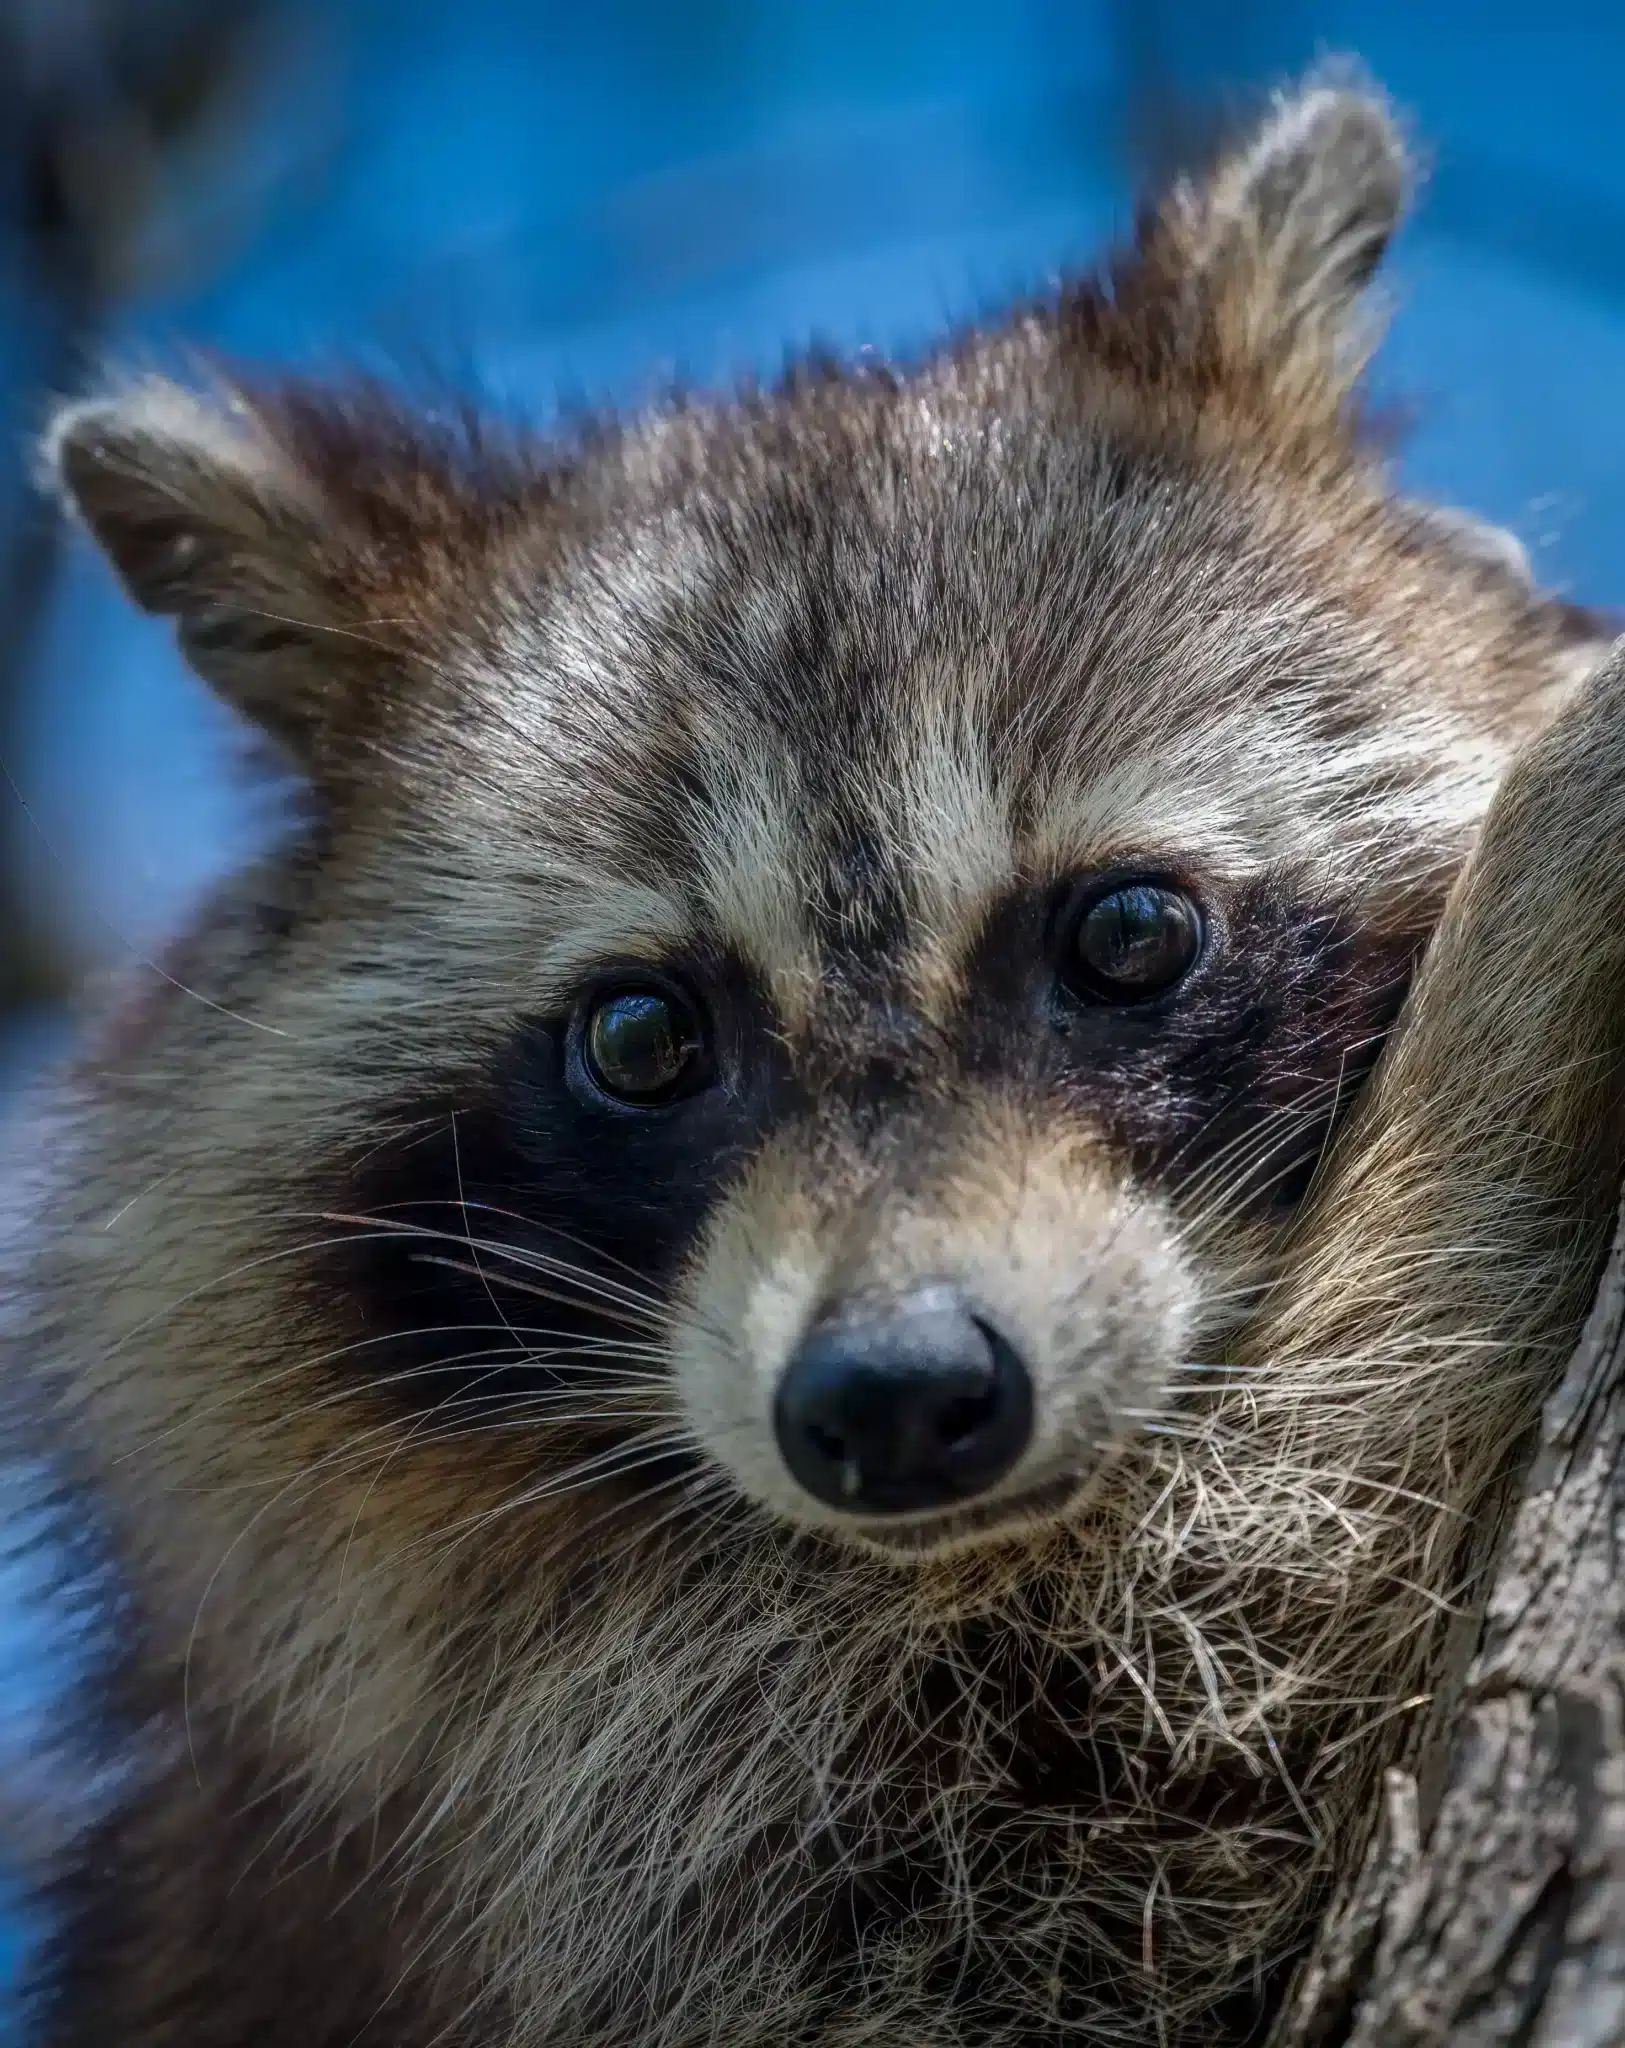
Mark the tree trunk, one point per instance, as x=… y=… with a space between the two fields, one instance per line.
x=1491 y=1904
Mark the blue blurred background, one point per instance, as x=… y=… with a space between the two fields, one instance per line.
x=567 y=201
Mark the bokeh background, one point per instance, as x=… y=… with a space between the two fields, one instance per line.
x=567 y=200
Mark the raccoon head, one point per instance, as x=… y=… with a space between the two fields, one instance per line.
x=838 y=923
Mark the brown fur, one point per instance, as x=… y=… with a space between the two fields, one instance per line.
x=552 y=1714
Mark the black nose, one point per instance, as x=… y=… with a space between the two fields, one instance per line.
x=910 y=1406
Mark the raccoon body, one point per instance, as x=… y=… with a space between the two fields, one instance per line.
x=761 y=1360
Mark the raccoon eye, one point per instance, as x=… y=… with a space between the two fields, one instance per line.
x=1131 y=944
x=642 y=1045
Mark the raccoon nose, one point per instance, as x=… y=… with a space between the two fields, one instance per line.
x=911 y=1406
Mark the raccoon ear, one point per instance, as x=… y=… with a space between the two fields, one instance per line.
x=204 y=518
x=1577 y=636
x=1478 y=540
x=1274 y=245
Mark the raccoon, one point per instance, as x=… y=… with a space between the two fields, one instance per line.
x=800 y=1328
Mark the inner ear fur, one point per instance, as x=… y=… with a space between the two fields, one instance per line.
x=206 y=519
x=307 y=539
x=1257 y=266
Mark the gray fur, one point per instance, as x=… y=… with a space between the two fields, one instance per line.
x=560 y=1715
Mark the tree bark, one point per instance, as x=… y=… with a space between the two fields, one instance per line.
x=1490 y=1907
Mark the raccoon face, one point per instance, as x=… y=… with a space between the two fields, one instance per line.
x=841 y=924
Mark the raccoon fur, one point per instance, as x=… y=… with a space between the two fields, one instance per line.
x=799 y=1330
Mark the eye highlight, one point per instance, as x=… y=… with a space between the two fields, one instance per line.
x=1132 y=943
x=643 y=1046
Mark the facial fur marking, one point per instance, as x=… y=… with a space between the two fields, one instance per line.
x=469 y=1393
x=752 y=882
x=608 y=920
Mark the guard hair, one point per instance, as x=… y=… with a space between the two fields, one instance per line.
x=1041 y=847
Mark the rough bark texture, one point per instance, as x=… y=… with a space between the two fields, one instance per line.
x=1491 y=1904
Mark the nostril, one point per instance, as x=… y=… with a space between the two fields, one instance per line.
x=912 y=1406
x=962 y=1418
x=826 y=1442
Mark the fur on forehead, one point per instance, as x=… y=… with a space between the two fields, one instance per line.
x=355 y=577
